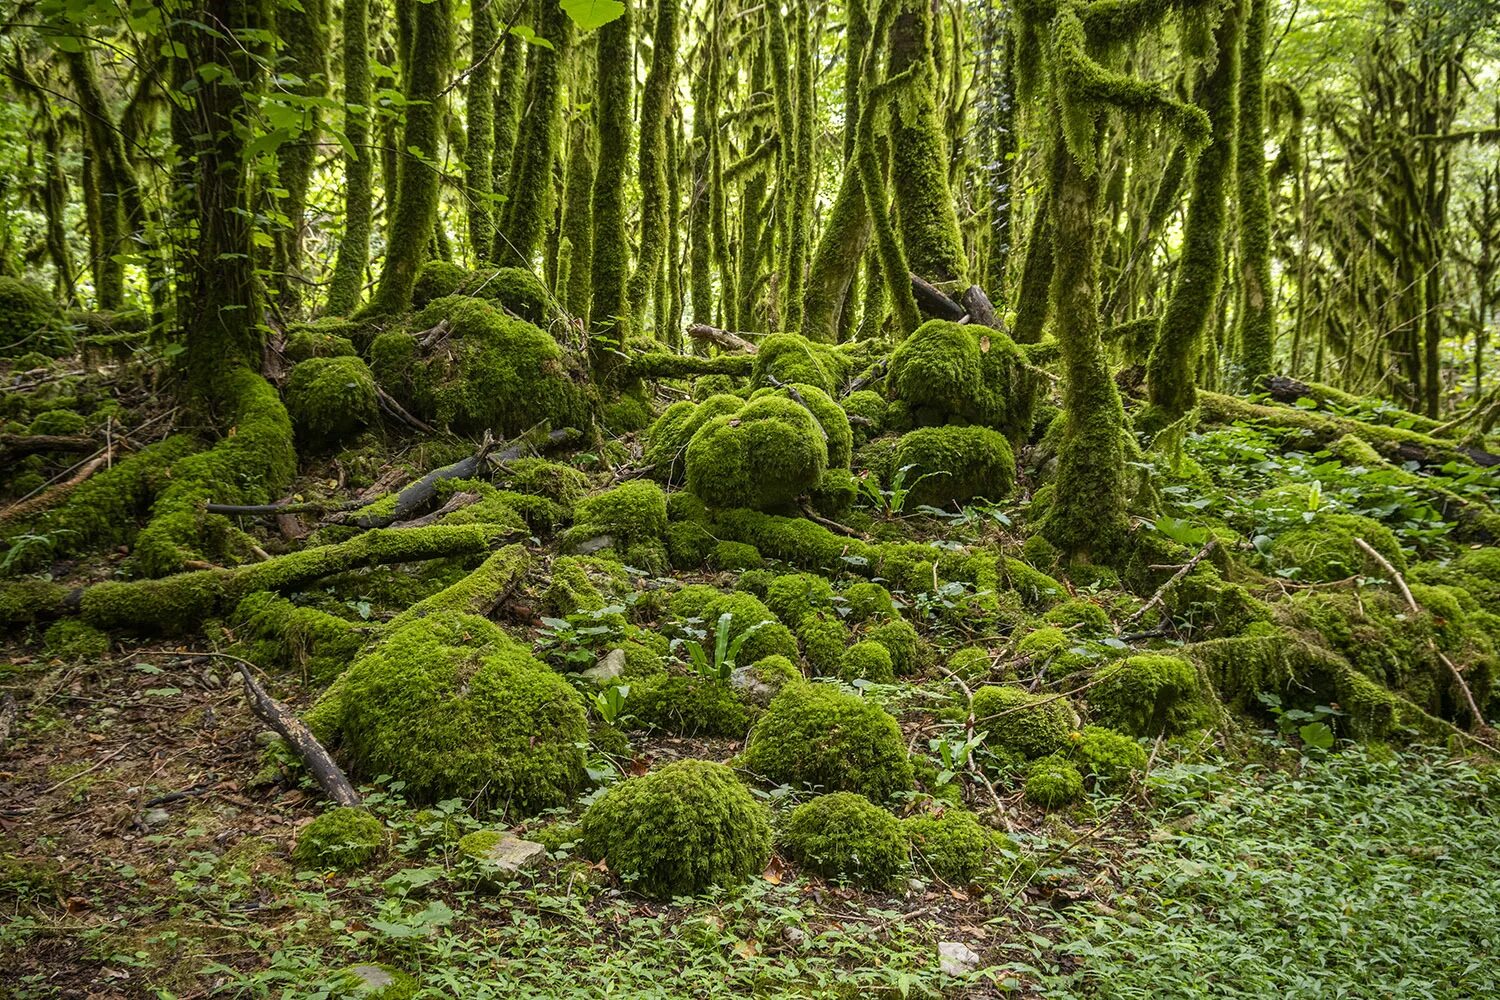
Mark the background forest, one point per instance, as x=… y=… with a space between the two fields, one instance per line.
x=551 y=498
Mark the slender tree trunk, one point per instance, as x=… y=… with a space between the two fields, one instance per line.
x=1257 y=320
x=530 y=191
x=651 y=161
x=479 y=131
x=359 y=166
x=303 y=28
x=609 y=308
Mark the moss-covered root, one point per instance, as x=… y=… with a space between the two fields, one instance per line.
x=249 y=465
x=180 y=603
x=479 y=593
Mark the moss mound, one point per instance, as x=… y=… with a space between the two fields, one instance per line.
x=27 y=315
x=71 y=639
x=629 y=520
x=1323 y=550
x=687 y=705
x=679 y=830
x=1052 y=782
x=330 y=399
x=763 y=456
x=1021 y=723
x=1109 y=757
x=341 y=839
x=949 y=373
x=867 y=660
x=667 y=440
x=816 y=736
x=846 y=836
x=452 y=707
x=58 y=422
x=953 y=465
x=788 y=357
x=954 y=847
x=829 y=415
x=1149 y=695
x=514 y=289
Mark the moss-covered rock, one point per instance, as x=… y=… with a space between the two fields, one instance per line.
x=1149 y=695
x=1019 y=722
x=667 y=440
x=28 y=316
x=950 y=373
x=954 y=465
x=1323 y=549
x=824 y=640
x=366 y=981
x=955 y=847
x=514 y=289
x=1052 y=782
x=866 y=409
x=829 y=415
x=793 y=596
x=730 y=556
x=869 y=601
x=330 y=400
x=788 y=357
x=679 y=830
x=630 y=519
x=816 y=736
x=322 y=339
x=1109 y=757
x=59 y=421
x=1079 y=614
x=901 y=640
x=769 y=638
x=71 y=639
x=341 y=839
x=845 y=836
x=869 y=661
x=687 y=705
x=763 y=456
x=452 y=707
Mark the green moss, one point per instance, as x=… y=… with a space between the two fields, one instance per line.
x=71 y=639
x=687 y=705
x=492 y=372
x=689 y=545
x=1323 y=550
x=1021 y=723
x=330 y=399
x=1110 y=757
x=763 y=456
x=306 y=640
x=756 y=581
x=1037 y=589
x=787 y=357
x=1079 y=614
x=792 y=596
x=829 y=415
x=27 y=601
x=955 y=847
x=632 y=511
x=900 y=639
x=27 y=319
x=953 y=465
x=868 y=661
x=1052 y=782
x=324 y=339
x=871 y=408
x=342 y=839
x=731 y=556
x=869 y=601
x=1149 y=695
x=562 y=484
x=950 y=373
x=373 y=982
x=679 y=830
x=58 y=422
x=814 y=735
x=453 y=708
x=846 y=836
x=775 y=672
x=824 y=642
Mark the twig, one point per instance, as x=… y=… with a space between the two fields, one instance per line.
x=89 y=770
x=395 y=409
x=329 y=776
x=1161 y=591
x=8 y=710
x=842 y=529
x=1416 y=609
x=186 y=793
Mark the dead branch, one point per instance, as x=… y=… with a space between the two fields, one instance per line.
x=935 y=302
x=1161 y=591
x=735 y=343
x=320 y=764
x=55 y=495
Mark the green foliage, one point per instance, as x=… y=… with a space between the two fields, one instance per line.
x=330 y=399
x=954 y=465
x=341 y=839
x=1052 y=782
x=679 y=830
x=845 y=836
x=1149 y=695
x=451 y=707
x=1023 y=724
x=763 y=456
x=816 y=736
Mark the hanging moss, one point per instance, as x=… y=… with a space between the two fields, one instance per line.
x=679 y=830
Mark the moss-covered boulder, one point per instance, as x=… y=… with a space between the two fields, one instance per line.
x=948 y=373
x=629 y=520
x=1149 y=695
x=71 y=639
x=330 y=399
x=514 y=289
x=867 y=660
x=687 y=705
x=829 y=415
x=788 y=357
x=1324 y=550
x=679 y=830
x=28 y=316
x=455 y=709
x=955 y=847
x=845 y=836
x=953 y=465
x=341 y=839
x=763 y=456
x=369 y=981
x=667 y=440
x=816 y=736
x=1052 y=782
x=1021 y=723
x=490 y=371
x=1110 y=758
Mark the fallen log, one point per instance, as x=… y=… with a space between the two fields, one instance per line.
x=17 y=445
x=418 y=496
x=935 y=302
x=735 y=343
x=980 y=309
x=320 y=764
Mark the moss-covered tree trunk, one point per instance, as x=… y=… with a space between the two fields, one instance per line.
x=479 y=126
x=359 y=163
x=510 y=88
x=609 y=308
x=577 y=214
x=530 y=192
x=1257 y=315
x=919 y=154
x=1034 y=298
x=651 y=159
x=111 y=173
x=303 y=28
x=415 y=209
x=700 y=209
x=1171 y=369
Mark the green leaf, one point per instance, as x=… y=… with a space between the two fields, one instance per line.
x=591 y=14
x=525 y=33
x=1316 y=735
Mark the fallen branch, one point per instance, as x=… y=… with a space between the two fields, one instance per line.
x=980 y=309
x=415 y=498
x=389 y=405
x=16 y=445
x=320 y=764
x=735 y=343
x=285 y=507
x=52 y=497
x=1416 y=609
x=875 y=373
x=1161 y=591
x=935 y=302
x=842 y=529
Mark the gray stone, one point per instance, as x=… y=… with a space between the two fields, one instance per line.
x=752 y=686
x=610 y=667
x=155 y=817
x=956 y=958
x=371 y=977
x=512 y=854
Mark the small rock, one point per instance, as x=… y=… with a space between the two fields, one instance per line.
x=609 y=667
x=155 y=817
x=794 y=936
x=752 y=687
x=370 y=977
x=598 y=543
x=956 y=958
x=511 y=853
